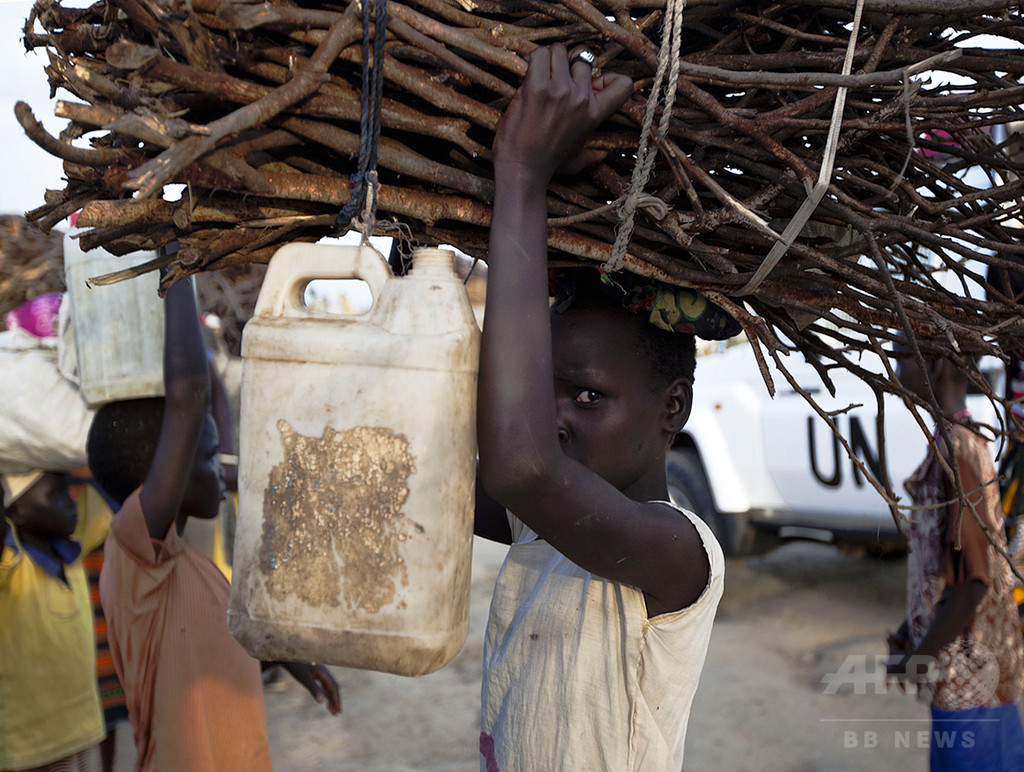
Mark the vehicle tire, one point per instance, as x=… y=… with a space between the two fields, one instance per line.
x=688 y=488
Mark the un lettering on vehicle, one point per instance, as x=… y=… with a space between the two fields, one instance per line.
x=828 y=465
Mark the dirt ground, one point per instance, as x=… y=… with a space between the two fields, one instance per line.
x=788 y=619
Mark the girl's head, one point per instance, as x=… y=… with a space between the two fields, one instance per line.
x=623 y=386
x=939 y=378
x=669 y=348
x=40 y=504
x=122 y=444
x=675 y=316
x=916 y=380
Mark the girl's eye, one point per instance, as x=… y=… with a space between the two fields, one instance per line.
x=587 y=396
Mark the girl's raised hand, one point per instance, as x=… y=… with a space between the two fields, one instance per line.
x=554 y=111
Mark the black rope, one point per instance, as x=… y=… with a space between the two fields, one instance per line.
x=399 y=258
x=364 y=187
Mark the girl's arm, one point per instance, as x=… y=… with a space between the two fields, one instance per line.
x=489 y=518
x=186 y=401
x=522 y=464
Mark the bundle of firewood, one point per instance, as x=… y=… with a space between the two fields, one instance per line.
x=31 y=262
x=821 y=229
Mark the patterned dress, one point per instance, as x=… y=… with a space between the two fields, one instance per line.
x=983 y=667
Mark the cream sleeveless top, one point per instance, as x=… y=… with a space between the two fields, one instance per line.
x=576 y=677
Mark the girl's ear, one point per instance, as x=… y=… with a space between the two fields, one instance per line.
x=678 y=401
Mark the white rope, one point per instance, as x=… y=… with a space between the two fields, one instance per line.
x=814 y=196
x=654 y=206
x=668 y=59
x=365 y=220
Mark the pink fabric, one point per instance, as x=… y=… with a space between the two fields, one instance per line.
x=487 y=751
x=37 y=316
x=940 y=136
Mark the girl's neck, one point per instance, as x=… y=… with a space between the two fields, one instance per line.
x=952 y=401
x=954 y=409
x=45 y=545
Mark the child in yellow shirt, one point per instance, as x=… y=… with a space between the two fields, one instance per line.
x=49 y=703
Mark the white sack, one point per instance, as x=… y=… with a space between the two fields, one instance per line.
x=44 y=421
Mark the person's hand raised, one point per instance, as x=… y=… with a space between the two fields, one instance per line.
x=552 y=114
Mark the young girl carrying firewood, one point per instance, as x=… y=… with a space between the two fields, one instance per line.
x=602 y=612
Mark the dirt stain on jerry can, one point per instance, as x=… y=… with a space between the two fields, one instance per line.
x=340 y=496
x=357 y=466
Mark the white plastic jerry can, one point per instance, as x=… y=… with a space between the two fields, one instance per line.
x=118 y=328
x=357 y=465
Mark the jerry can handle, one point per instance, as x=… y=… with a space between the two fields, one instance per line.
x=294 y=266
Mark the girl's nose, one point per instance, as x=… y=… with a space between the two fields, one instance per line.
x=562 y=415
x=564 y=434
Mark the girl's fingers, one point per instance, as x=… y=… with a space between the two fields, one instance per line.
x=559 y=61
x=612 y=93
x=539 y=65
x=581 y=64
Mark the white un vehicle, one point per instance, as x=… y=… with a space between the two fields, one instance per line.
x=759 y=469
